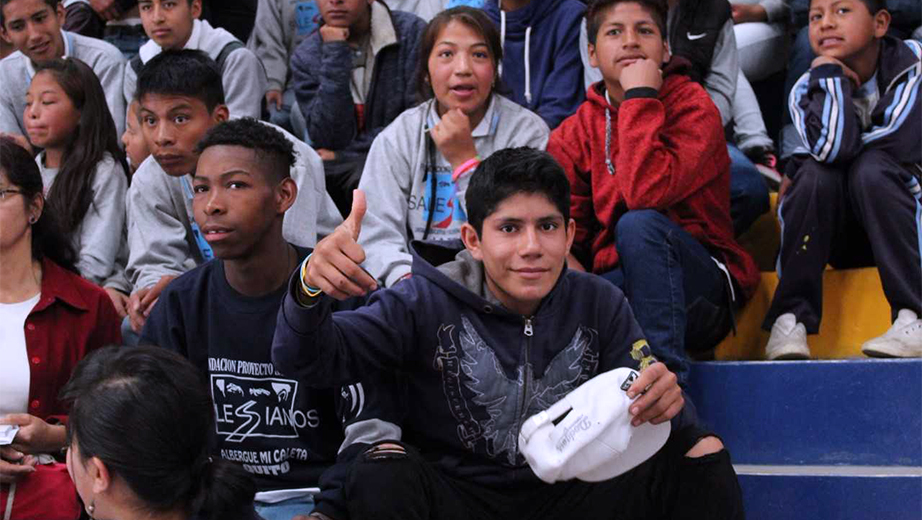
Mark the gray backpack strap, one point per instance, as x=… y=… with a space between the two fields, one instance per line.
x=136 y=64
x=226 y=51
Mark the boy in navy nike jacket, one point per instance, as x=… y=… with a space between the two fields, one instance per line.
x=488 y=337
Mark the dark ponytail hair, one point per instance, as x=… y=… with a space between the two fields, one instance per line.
x=95 y=135
x=47 y=238
x=146 y=413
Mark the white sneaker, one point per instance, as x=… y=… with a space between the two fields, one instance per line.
x=904 y=339
x=788 y=339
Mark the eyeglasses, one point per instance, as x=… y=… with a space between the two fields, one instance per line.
x=7 y=192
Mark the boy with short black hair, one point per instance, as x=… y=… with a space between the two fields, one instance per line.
x=175 y=25
x=489 y=337
x=221 y=316
x=854 y=198
x=649 y=173
x=181 y=98
x=34 y=28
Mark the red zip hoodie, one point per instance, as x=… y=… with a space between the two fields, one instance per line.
x=668 y=153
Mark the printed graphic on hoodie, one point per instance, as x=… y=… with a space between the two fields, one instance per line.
x=506 y=402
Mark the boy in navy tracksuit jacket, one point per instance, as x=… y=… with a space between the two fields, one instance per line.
x=854 y=199
x=487 y=338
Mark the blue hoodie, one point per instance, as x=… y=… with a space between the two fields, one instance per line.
x=541 y=58
x=474 y=370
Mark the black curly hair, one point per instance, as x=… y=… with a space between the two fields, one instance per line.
x=272 y=148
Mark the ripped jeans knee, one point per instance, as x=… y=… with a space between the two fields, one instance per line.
x=385 y=450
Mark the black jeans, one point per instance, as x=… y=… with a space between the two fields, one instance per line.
x=861 y=214
x=391 y=484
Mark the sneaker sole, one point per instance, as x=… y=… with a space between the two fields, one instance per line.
x=885 y=352
x=790 y=356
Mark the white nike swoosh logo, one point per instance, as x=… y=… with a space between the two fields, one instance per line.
x=696 y=36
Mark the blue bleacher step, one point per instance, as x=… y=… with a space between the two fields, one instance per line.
x=874 y=495
x=831 y=492
x=861 y=412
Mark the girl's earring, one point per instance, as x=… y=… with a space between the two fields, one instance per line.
x=91 y=508
x=32 y=220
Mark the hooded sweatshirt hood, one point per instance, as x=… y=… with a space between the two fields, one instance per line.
x=475 y=370
x=536 y=43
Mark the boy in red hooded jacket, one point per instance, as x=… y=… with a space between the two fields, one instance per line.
x=649 y=175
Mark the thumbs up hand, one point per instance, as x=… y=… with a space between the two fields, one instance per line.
x=335 y=265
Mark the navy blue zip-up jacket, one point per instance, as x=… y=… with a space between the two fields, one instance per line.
x=474 y=371
x=548 y=79
x=321 y=75
x=825 y=117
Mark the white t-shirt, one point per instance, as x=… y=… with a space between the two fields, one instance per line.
x=14 y=360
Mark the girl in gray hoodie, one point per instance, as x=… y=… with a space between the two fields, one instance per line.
x=83 y=169
x=418 y=167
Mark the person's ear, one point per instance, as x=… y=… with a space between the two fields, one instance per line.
x=36 y=207
x=196 y=8
x=667 y=54
x=571 y=234
x=4 y=36
x=99 y=472
x=881 y=23
x=285 y=194
x=471 y=241
x=220 y=114
x=593 y=57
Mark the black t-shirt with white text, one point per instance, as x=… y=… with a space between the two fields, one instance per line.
x=282 y=432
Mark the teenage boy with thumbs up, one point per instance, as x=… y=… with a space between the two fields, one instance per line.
x=488 y=337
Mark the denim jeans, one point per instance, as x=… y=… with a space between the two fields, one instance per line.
x=286 y=509
x=748 y=192
x=130 y=338
x=127 y=38
x=677 y=292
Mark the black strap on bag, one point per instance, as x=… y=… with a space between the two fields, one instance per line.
x=430 y=170
x=230 y=47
